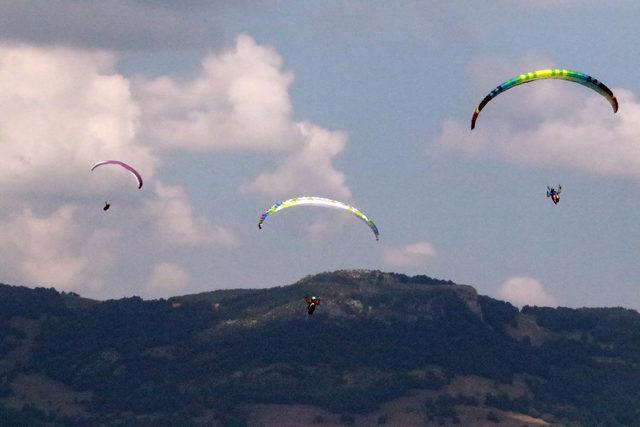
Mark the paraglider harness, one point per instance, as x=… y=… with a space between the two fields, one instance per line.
x=555 y=195
x=311 y=304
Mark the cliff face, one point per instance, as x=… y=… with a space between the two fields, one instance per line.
x=380 y=349
x=345 y=294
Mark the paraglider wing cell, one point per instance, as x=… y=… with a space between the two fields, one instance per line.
x=573 y=76
x=129 y=168
x=322 y=202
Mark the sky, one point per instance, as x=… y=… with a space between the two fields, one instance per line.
x=227 y=107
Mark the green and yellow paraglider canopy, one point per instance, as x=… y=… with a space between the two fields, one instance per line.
x=573 y=76
x=318 y=201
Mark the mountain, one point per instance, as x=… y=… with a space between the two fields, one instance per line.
x=381 y=349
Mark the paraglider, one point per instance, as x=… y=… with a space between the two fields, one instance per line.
x=312 y=303
x=554 y=194
x=318 y=201
x=573 y=76
x=131 y=170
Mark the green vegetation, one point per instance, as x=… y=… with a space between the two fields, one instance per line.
x=376 y=337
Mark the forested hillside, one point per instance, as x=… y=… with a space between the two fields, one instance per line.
x=381 y=347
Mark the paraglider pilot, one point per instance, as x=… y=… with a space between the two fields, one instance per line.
x=554 y=194
x=311 y=304
x=106 y=206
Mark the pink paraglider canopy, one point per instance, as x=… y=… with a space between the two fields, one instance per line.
x=124 y=165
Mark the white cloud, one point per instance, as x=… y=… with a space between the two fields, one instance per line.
x=63 y=110
x=522 y=291
x=240 y=101
x=176 y=223
x=414 y=254
x=55 y=249
x=553 y=123
x=167 y=279
x=307 y=171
